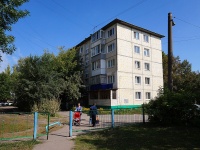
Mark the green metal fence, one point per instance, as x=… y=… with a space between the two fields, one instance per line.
x=110 y=118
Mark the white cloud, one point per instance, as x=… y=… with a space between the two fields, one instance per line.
x=9 y=59
x=4 y=63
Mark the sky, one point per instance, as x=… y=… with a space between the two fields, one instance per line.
x=55 y=23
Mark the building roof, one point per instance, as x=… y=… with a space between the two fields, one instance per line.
x=125 y=24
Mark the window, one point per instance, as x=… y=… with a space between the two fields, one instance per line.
x=148 y=95
x=111 y=47
x=136 y=35
x=147 y=66
x=137 y=64
x=114 y=94
x=111 y=79
x=87 y=48
x=86 y=75
x=110 y=63
x=94 y=95
x=96 y=50
x=146 y=38
x=104 y=94
x=137 y=49
x=138 y=95
x=137 y=80
x=81 y=49
x=146 y=52
x=111 y=32
x=96 y=65
x=97 y=35
x=86 y=63
x=147 y=80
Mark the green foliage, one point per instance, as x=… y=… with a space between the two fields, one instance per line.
x=5 y=87
x=9 y=14
x=37 y=80
x=67 y=63
x=52 y=106
x=172 y=108
x=47 y=77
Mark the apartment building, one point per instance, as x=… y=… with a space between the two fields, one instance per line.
x=122 y=65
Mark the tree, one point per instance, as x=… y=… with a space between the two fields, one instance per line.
x=67 y=62
x=47 y=77
x=37 y=80
x=9 y=14
x=181 y=72
x=5 y=87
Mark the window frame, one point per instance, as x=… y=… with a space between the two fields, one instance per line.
x=146 y=38
x=111 y=79
x=138 y=80
x=96 y=65
x=112 y=46
x=137 y=64
x=111 y=32
x=138 y=95
x=147 y=80
x=146 y=52
x=136 y=35
x=148 y=95
x=137 y=49
x=111 y=63
x=145 y=66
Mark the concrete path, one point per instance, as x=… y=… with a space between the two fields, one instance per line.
x=58 y=140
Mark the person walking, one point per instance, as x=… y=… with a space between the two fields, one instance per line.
x=79 y=108
x=93 y=112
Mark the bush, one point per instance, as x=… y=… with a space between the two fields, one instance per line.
x=52 y=106
x=172 y=108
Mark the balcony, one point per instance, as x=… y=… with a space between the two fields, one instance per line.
x=101 y=87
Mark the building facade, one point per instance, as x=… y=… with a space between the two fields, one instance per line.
x=122 y=65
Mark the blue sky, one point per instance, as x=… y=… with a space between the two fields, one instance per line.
x=55 y=23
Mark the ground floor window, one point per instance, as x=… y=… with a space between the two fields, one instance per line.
x=148 y=95
x=104 y=94
x=94 y=95
x=114 y=95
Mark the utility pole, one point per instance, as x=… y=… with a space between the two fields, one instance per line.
x=170 y=51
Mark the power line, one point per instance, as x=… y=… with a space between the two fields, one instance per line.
x=60 y=14
x=64 y=8
x=40 y=36
x=187 y=22
x=135 y=5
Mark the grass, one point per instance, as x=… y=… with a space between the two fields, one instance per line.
x=21 y=125
x=23 y=145
x=140 y=137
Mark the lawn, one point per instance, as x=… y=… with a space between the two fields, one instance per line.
x=24 y=145
x=140 y=137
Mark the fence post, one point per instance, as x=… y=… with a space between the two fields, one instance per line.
x=113 y=118
x=48 y=126
x=70 y=123
x=143 y=113
x=35 y=125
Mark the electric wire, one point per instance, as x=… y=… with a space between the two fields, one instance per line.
x=120 y=13
x=187 y=22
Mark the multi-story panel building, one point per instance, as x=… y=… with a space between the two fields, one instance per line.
x=122 y=65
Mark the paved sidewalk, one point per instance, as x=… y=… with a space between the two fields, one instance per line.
x=58 y=140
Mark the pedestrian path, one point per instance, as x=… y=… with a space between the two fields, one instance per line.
x=57 y=140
